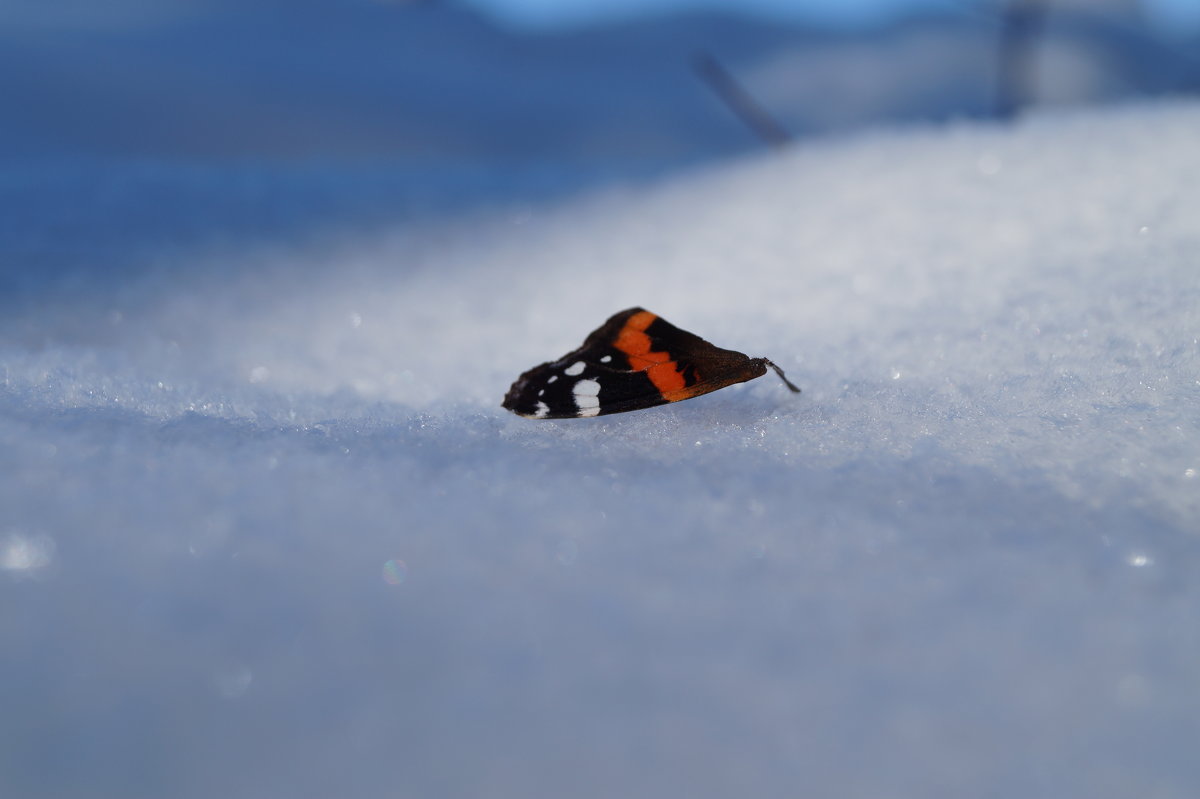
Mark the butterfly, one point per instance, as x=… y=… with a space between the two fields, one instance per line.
x=635 y=360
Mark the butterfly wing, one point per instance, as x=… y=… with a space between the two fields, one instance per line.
x=634 y=360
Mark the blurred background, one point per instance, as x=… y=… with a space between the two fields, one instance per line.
x=619 y=86
x=130 y=126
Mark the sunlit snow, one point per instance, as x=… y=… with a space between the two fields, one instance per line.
x=265 y=530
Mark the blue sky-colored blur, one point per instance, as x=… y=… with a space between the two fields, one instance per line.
x=1171 y=15
x=574 y=12
x=555 y=13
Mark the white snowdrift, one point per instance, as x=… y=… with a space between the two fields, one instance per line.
x=264 y=530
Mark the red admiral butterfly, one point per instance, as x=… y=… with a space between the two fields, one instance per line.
x=634 y=360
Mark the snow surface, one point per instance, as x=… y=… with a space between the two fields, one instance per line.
x=265 y=532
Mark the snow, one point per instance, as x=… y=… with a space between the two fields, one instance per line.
x=265 y=531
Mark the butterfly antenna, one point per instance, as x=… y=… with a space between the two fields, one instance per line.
x=782 y=376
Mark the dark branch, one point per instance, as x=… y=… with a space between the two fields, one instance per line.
x=753 y=115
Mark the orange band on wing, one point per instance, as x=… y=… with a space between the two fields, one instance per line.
x=658 y=366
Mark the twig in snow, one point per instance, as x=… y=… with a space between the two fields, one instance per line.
x=744 y=107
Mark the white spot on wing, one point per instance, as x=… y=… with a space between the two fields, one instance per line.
x=586 y=388
x=606 y=359
x=587 y=397
x=541 y=410
x=552 y=379
x=574 y=369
